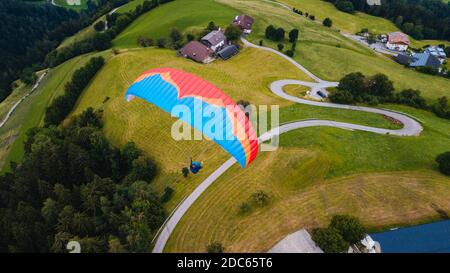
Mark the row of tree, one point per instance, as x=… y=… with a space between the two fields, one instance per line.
x=62 y=105
x=357 y=88
x=72 y=185
x=31 y=30
x=422 y=19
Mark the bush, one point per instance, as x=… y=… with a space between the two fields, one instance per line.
x=261 y=198
x=168 y=192
x=280 y=47
x=244 y=208
x=275 y=34
x=341 y=96
x=161 y=43
x=327 y=22
x=290 y=53
x=329 y=240
x=215 y=247
x=345 y=6
x=293 y=35
x=412 y=98
x=349 y=227
x=444 y=163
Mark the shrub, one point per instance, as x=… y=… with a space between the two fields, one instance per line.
x=290 y=53
x=444 y=163
x=412 y=98
x=280 y=47
x=327 y=22
x=341 y=96
x=161 y=43
x=99 y=26
x=244 y=208
x=168 y=192
x=185 y=171
x=215 y=247
x=261 y=198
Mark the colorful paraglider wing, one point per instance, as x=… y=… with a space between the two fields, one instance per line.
x=225 y=123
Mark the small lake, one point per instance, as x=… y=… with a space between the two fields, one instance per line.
x=428 y=238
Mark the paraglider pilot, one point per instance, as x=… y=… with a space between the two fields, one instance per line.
x=195 y=166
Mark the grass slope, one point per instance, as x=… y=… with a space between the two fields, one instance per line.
x=329 y=55
x=30 y=113
x=185 y=15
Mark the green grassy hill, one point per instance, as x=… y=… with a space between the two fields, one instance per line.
x=385 y=180
x=191 y=15
x=30 y=113
x=330 y=55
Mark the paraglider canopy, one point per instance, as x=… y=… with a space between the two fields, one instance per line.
x=168 y=88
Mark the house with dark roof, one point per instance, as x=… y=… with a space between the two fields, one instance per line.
x=228 y=51
x=419 y=60
x=197 y=51
x=214 y=40
x=244 y=22
x=438 y=52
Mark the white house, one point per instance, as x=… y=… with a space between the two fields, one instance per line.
x=438 y=52
x=214 y=40
x=397 y=41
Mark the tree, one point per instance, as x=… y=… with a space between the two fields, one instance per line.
x=168 y=192
x=270 y=32
x=212 y=26
x=341 y=96
x=327 y=22
x=190 y=37
x=232 y=33
x=293 y=35
x=412 y=98
x=99 y=26
x=175 y=38
x=380 y=85
x=279 y=34
x=28 y=76
x=142 y=169
x=280 y=47
x=215 y=247
x=161 y=43
x=443 y=161
x=345 y=6
x=353 y=83
x=329 y=240
x=349 y=227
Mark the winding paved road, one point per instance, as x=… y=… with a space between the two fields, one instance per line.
x=411 y=128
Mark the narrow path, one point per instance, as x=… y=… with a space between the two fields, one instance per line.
x=411 y=128
x=13 y=108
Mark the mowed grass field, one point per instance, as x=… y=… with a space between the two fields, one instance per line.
x=245 y=76
x=30 y=113
x=386 y=181
x=330 y=55
x=185 y=15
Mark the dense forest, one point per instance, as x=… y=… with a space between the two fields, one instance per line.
x=422 y=19
x=73 y=185
x=30 y=30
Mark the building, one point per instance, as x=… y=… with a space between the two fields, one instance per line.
x=297 y=242
x=419 y=60
x=244 y=22
x=228 y=51
x=438 y=52
x=197 y=51
x=425 y=60
x=398 y=41
x=214 y=40
x=367 y=245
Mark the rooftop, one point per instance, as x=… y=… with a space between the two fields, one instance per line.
x=398 y=38
x=215 y=37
